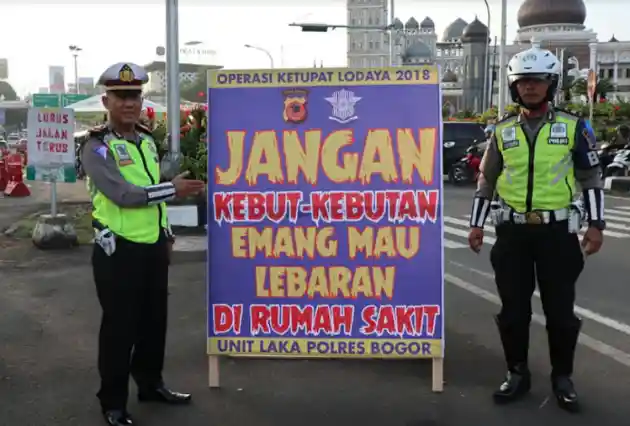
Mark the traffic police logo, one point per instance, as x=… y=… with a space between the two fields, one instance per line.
x=126 y=74
x=529 y=57
x=124 y=159
x=343 y=102
x=295 y=101
x=558 y=134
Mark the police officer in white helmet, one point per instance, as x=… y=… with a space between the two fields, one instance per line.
x=534 y=162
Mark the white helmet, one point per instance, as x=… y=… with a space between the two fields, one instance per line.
x=534 y=63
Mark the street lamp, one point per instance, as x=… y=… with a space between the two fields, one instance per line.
x=502 y=64
x=172 y=84
x=265 y=51
x=323 y=28
x=486 y=96
x=74 y=49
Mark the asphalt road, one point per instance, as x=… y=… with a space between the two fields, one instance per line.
x=49 y=321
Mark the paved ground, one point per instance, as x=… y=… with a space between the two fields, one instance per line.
x=12 y=209
x=49 y=320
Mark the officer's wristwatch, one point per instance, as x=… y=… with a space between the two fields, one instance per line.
x=597 y=224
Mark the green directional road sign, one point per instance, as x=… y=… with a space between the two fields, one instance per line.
x=45 y=100
x=71 y=98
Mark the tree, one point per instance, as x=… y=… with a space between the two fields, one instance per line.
x=6 y=92
x=603 y=88
x=197 y=90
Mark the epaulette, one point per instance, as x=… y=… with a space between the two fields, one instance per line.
x=98 y=132
x=144 y=129
x=506 y=116
x=566 y=111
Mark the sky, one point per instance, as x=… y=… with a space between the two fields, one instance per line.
x=37 y=33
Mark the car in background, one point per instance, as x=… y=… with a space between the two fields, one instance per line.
x=13 y=139
x=457 y=137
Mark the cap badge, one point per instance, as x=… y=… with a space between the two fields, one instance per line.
x=126 y=74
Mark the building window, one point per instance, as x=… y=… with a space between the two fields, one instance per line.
x=628 y=73
x=370 y=45
x=353 y=45
x=377 y=45
x=601 y=73
x=611 y=73
x=353 y=21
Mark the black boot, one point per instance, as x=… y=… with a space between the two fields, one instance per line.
x=565 y=394
x=515 y=340
x=517 y=383
x=562 y=342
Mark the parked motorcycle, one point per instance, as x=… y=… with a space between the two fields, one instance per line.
x=620 y=164
x=466 y=169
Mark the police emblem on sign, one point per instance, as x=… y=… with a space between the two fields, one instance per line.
x=295 y=102
x=343 y=102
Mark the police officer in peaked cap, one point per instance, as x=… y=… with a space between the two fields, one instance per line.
x=132 y=246
x=533 y=162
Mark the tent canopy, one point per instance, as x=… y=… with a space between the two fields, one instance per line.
x=94 y=104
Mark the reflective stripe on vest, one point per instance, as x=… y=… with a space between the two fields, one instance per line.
x=552 y=178
x=139 y=167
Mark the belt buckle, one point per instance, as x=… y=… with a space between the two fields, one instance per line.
x=533 y=218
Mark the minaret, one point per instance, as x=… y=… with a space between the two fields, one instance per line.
x=475 y=43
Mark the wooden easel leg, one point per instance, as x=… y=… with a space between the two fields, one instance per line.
x=213 y=371
x=438 y=375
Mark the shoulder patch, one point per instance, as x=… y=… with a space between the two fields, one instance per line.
x=98 y=132
x=567 y=112
x=507 y=116
x=143 y=129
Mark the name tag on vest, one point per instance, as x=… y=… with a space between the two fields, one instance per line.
x=558 y=141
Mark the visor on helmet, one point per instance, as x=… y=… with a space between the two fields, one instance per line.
x=534 y=76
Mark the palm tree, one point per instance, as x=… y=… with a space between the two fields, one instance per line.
x=603 y=88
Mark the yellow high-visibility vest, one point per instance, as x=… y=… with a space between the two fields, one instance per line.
x=139 y=166
x=540 y=177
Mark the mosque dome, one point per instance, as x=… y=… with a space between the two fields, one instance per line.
x=449 y=77
x=412 y=24
x=454 y=30
x=545 y=12
x=427 y=23
x=418 y=50
x=475 y=31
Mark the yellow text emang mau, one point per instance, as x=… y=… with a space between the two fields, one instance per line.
x=393 y=159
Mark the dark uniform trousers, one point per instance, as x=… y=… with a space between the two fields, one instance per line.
x=549 y=254
x=132 y=288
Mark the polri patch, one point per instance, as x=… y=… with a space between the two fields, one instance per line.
x=558 y=141
x=124 y=158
